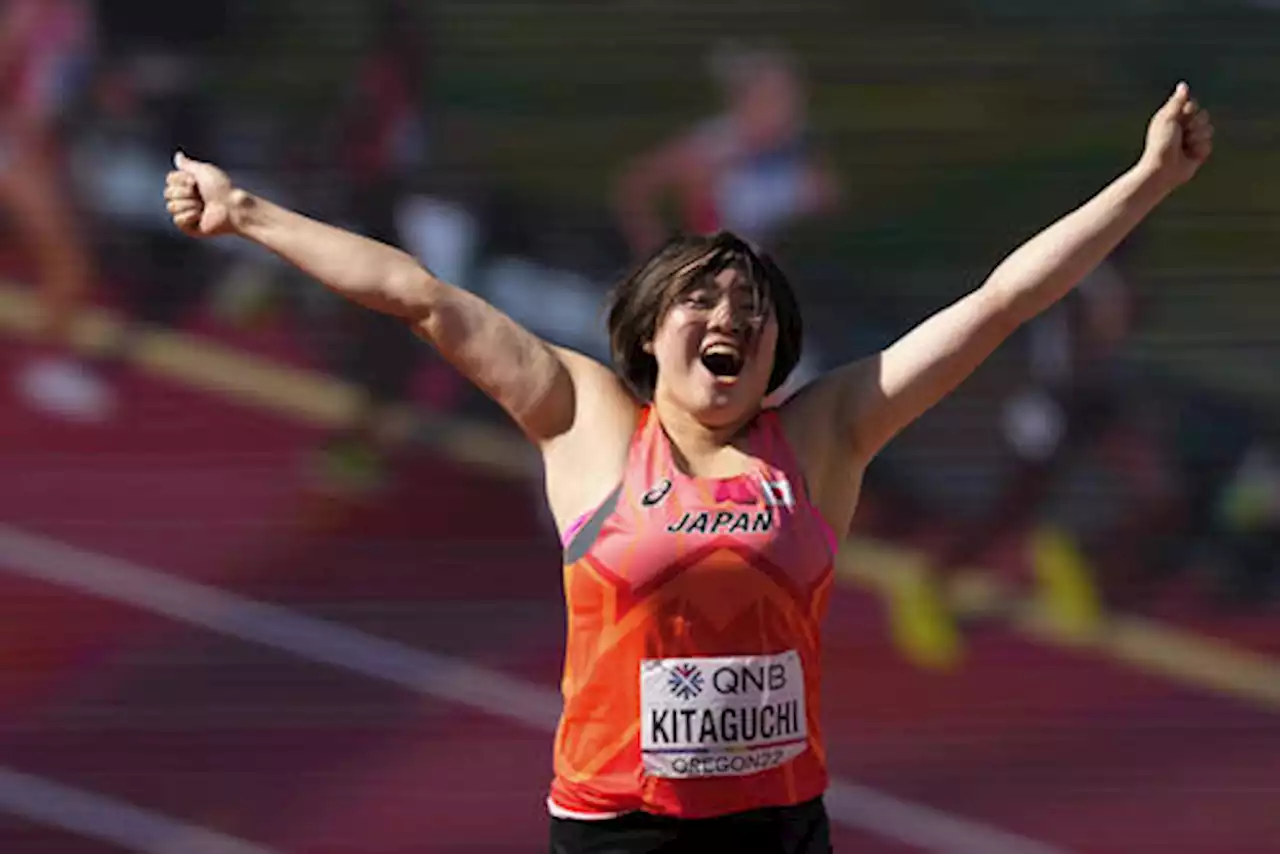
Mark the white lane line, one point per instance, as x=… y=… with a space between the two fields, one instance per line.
x=444 y=677
x=106 y=820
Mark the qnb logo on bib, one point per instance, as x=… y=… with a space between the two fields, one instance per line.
x=721 y=716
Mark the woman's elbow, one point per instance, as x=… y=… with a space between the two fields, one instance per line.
x=411 y=292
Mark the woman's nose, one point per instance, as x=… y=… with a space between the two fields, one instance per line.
x=729 y=315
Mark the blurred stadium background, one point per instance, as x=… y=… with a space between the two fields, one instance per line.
x=273 y=580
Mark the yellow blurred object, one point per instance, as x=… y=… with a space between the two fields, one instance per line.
x=924 y=626
x=1065 y=592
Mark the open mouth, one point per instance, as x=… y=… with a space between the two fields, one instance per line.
x=723 y=361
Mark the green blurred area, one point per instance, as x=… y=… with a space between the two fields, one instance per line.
x=958 y=127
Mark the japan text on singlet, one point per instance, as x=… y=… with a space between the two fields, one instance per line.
x=691 y=674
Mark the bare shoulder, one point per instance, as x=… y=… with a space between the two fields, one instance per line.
x=821 y=413
x=602 y=398
x=584 y=463
x=808 y=422
x=815 y=421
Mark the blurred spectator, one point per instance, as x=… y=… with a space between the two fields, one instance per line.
x=145 y=97
x=752 y=170
x=118 y=157
x=382 y=142
x=1076 y=399
x=46 y=48
x=1074 y=395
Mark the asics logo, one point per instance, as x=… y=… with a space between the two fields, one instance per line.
x=656 y=494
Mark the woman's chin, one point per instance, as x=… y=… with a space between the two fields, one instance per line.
x=726 y=404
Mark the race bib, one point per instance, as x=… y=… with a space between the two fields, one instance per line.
x=721 y=717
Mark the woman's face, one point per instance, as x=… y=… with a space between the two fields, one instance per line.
x=715 y=349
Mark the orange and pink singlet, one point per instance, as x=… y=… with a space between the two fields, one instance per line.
x=691 y=677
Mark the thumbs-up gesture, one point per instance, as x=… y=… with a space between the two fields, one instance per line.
x=199 y=197
x=1179 y=138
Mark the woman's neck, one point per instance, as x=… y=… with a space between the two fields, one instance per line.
x=700 y=449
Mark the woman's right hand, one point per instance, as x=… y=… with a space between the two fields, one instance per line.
x=199 y=197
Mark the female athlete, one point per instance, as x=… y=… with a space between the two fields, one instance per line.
x=699 y=541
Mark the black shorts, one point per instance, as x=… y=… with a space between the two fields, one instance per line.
x=799 y=829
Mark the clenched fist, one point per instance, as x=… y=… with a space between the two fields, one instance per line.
x=1179 y=138
x=199 y=197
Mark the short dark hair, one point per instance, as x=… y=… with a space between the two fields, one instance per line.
x=642 y=299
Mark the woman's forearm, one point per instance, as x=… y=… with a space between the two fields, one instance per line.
x=514 y=367
x=1046 y=267
x=373 y=274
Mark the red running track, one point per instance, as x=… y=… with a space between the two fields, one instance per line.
x=300 y=757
